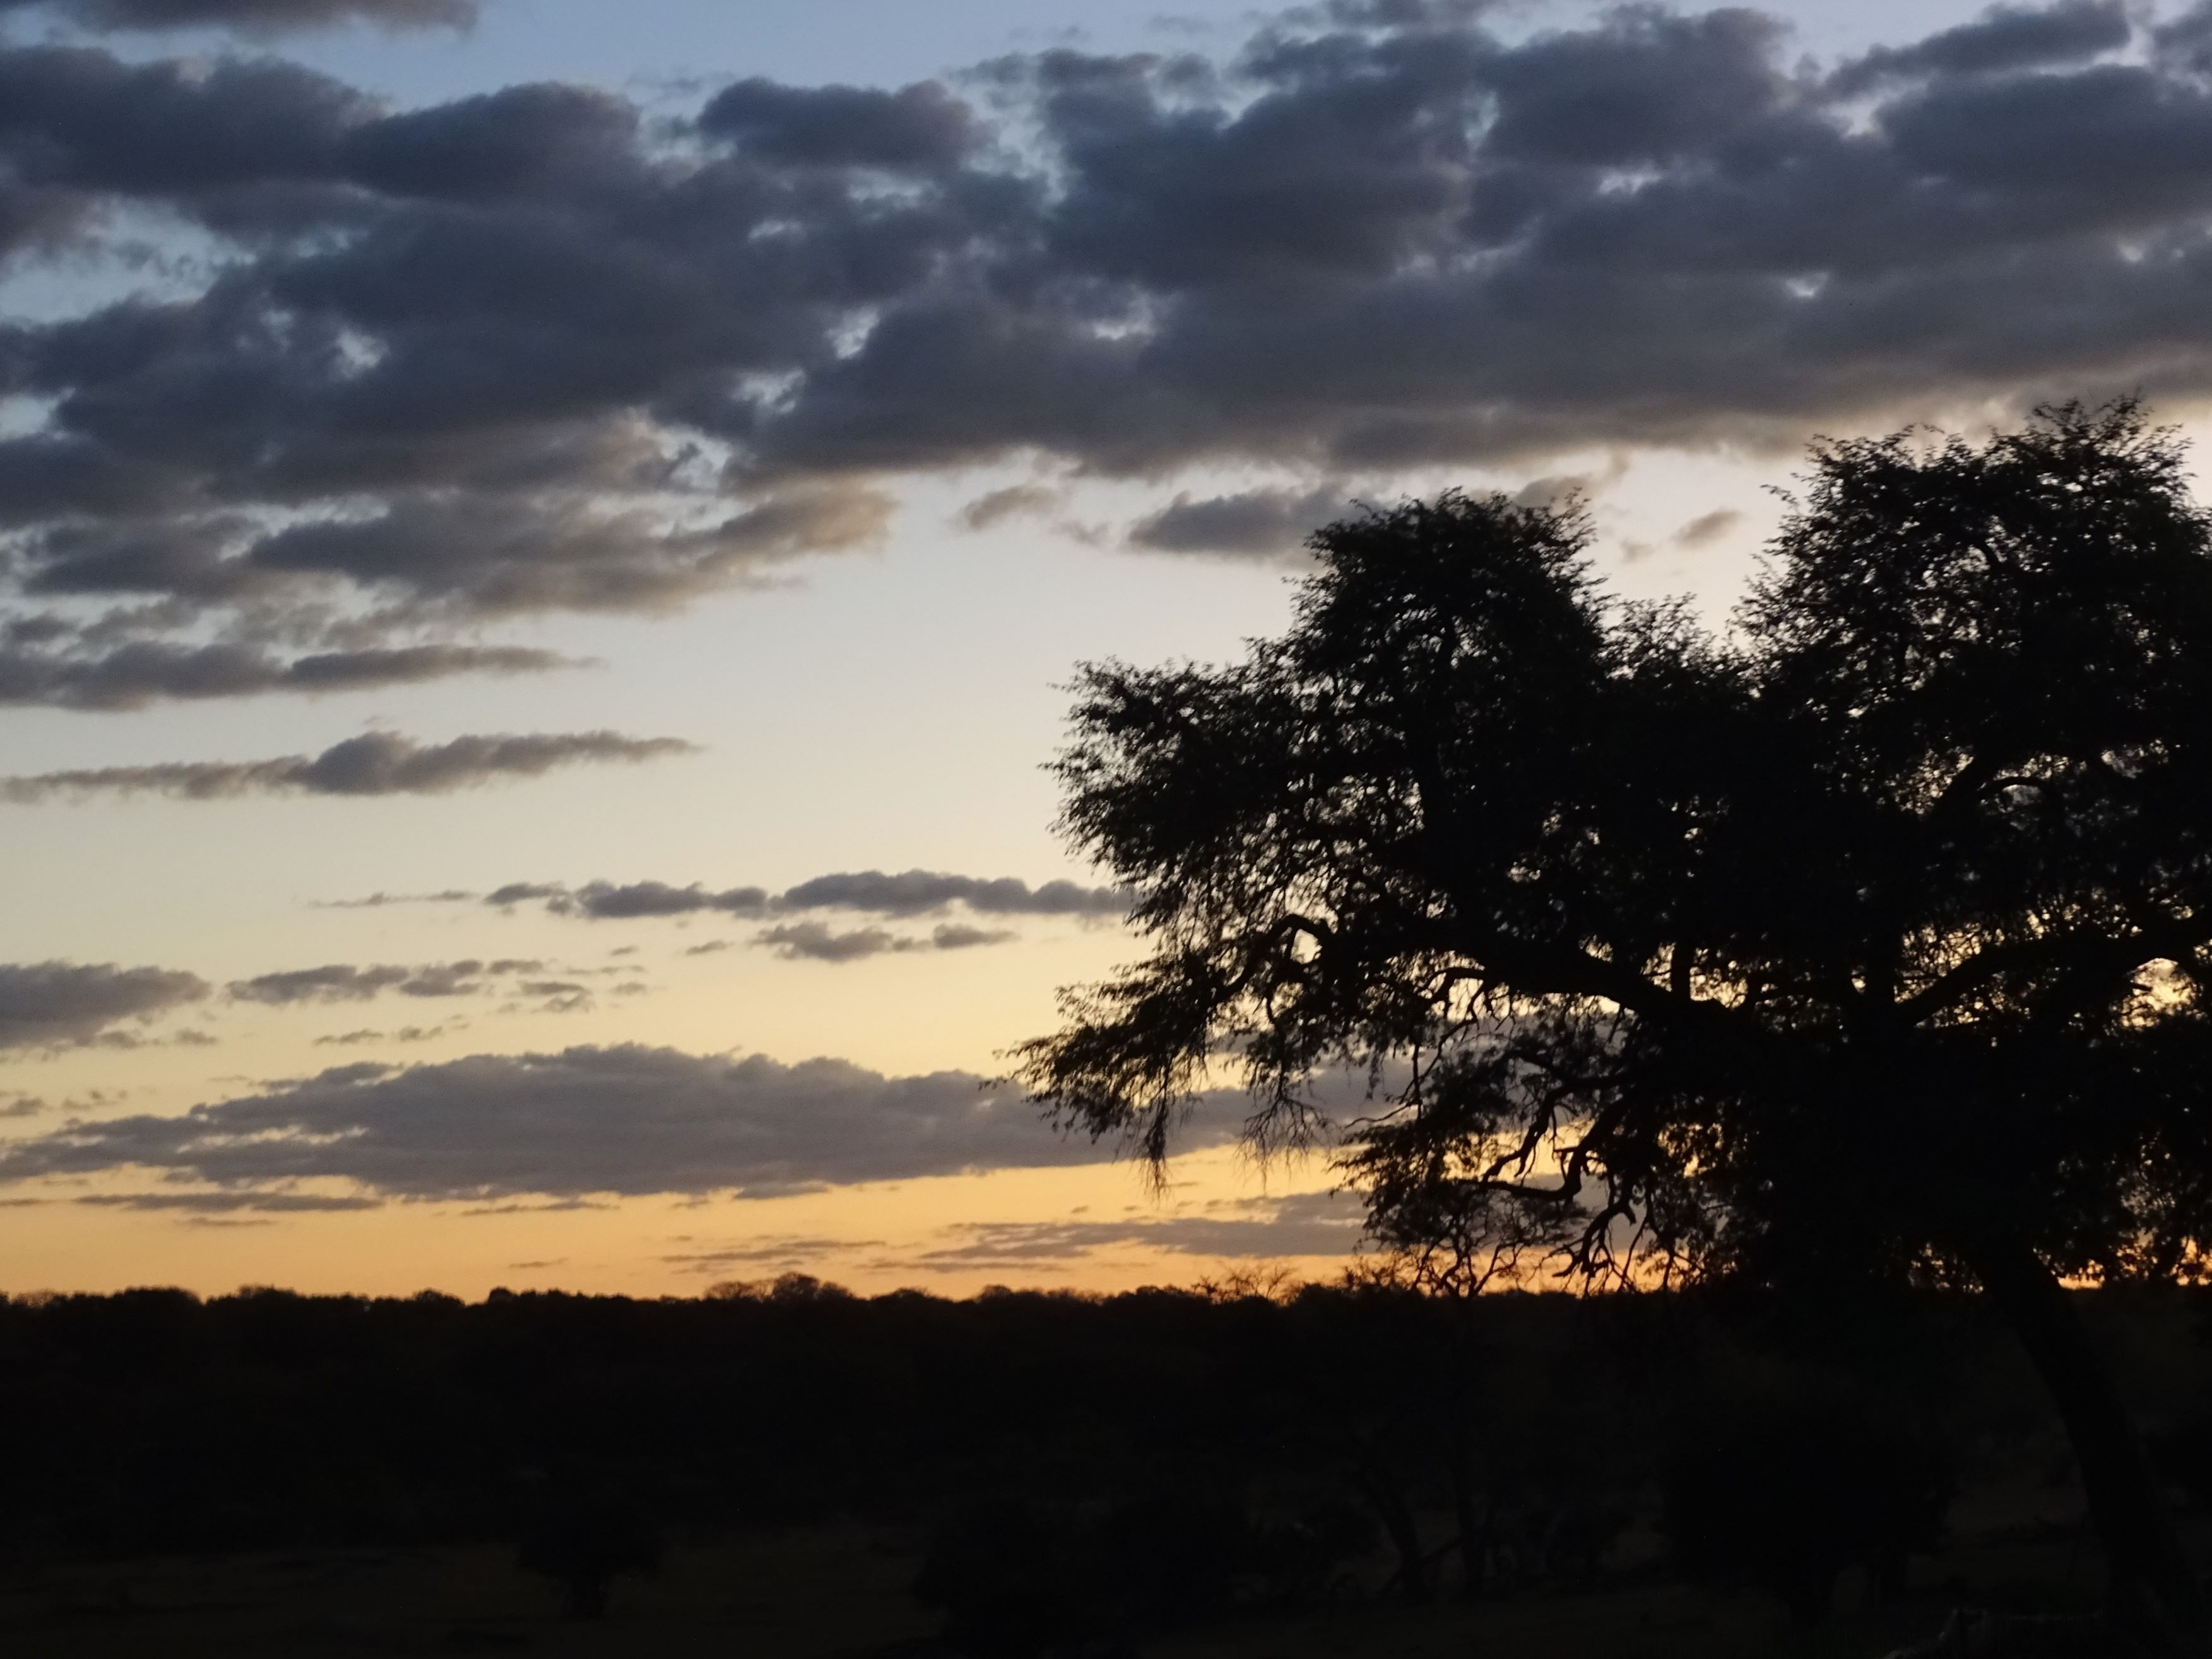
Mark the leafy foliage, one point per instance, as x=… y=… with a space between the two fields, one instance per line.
x=1868 y=935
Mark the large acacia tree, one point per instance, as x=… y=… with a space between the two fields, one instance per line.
x=1872 y=935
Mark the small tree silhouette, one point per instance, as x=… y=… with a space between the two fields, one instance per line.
x=1785 y=1494
x=585 y=1544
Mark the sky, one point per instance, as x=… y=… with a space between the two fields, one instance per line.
x=544 y=543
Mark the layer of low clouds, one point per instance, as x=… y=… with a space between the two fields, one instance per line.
x=1267 y=1228
x=874 y=892
x=817 y=941
x=1265 y=523
x=1299 y=1224
x=257 y=17
x=628 y=1121
x=345 y=982
x=59 y=1004
x=434 y=368
x=376 y=763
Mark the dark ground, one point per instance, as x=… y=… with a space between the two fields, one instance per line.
x=274 y=1475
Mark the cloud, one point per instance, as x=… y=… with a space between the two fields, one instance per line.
x=952 y=936
x=624 y=1120
x=376 y=763
x=1266 y=522
x=817 y=941
x=134 y=675
x=412 y=1034
x=1708 y=529
x=345 y=983
x=432 y=368
x=919 y=892
x=274 y=1204
x=874 y=892
x=785 y=1250
x=921 y=128
x=1016 y=501
x=381 y=901
x=2005 y=37
x=54 y=1004
x=1302 y=1224
x=606 y=901
x=252 y=16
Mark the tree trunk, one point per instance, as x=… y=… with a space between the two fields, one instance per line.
x=1405 y=1533
x=2153 y=1583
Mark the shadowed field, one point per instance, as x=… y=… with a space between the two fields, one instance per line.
x=787 y=1470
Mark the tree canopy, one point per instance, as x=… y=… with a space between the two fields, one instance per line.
x=1868 y=934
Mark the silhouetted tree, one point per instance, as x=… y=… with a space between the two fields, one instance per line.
x=585 y=1544
x=1786 y=1493
x=1870 y=937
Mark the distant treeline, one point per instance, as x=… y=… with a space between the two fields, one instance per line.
x=1455 y=1444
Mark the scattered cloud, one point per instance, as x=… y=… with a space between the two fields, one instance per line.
x=1302 y=1224
x=143 y=672
x=217 y=1203
x=563 y=1127
x=913 y=892
x=342 y=982
x=1016 y=501
x=953 y=935
x=817 y=941
x=381 y=901
x=376 y=763
x=781 y=1251
x=410 y=1033
x=434 y=368
x=1262 y=523
x=1704 y=531
x=63 y=1004
x=252 y=16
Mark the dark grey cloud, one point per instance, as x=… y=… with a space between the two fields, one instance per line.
x=817 y=941
x=625 y=1120
x=376 y=763
x=1266 y=522
x=143 y=672
x=874 y=892
x=56 y=1005
x=252 y=16
x=918 y=128
x=919 y=892
x=2004 y=37
x=345 y=982
x=1707 y=527
x=1302 y=1224
x=224 y=1203
x=1015 y=500
x=609 y=901
x=411 y=1033
x=532 y=352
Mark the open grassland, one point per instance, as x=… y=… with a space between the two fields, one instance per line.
x=833 y=1592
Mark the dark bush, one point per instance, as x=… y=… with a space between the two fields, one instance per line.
x=585 y=1544
x=1786 y=1494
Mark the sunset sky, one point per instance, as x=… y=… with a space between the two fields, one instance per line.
x=546 y=541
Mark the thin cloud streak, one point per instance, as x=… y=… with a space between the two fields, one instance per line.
x=376 y=763
x=910 y=893
x=628 y=1121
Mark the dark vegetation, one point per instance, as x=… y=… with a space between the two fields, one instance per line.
x=1868 y=941
x=1067 y=1475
